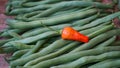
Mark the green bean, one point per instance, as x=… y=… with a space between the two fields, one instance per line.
x=14 y=35
x=52 y=55
x=35 y=48
x=2 y=42
x=53 y=21
x=62 y=5
x=110 y=63
x=107 y=28
x=7 y=50
x=115 y=43
x=31 y=9
x=100 y=20
x=22 y=67
x=65 y=11
x=83 y=4
x=36 y=17
x=85 y=21
x=27 y=15
x=16 y=4
x=18 y=54
x=57 y=53
x=72 y=56
x=107 y=42
x=37 y=31
x=12 y=20
x=43 y=52
x=19 y=45
x=91 y=30
x=29 y=4
x=8 y=8
x=119 y=5
x=97 y=40
x=5 y=33
x=89 y=59
x=35 y=38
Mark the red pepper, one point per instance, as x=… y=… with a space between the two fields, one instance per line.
x=68 y=33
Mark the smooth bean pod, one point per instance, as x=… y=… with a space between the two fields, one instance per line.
x=21 y=46
x=35 y=49
x=85 y=21
x=18 y=54
x=107 y=42
x=30 y=4
x=110 y=63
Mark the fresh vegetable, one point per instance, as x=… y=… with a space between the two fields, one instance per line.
x=69 y=33
x=62 y=34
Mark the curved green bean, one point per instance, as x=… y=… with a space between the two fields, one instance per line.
x=18 y=54
x=110 y=63
x=107 y=42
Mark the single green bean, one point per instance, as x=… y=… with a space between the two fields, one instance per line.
x=115 y=43
x=5 y=33
x=14 y=35
x=8 y=8
x=2 y=42
x=18 y=54
x=85 y=21
x=119 y=4
x=16 y=4
x=7 y=50
x=107 y=42
x=83 y=4
x=110 y=63
x=35 y=48
x=65 y=12
x=29 y=4
x=93 y=30
x=19 y=45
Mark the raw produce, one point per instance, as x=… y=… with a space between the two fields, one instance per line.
x=62 y=34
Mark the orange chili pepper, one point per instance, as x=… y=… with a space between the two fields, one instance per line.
x=68 y=33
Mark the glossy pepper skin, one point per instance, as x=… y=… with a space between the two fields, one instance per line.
x=68 y=33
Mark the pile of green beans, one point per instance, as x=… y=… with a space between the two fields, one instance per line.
x=33 y=36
